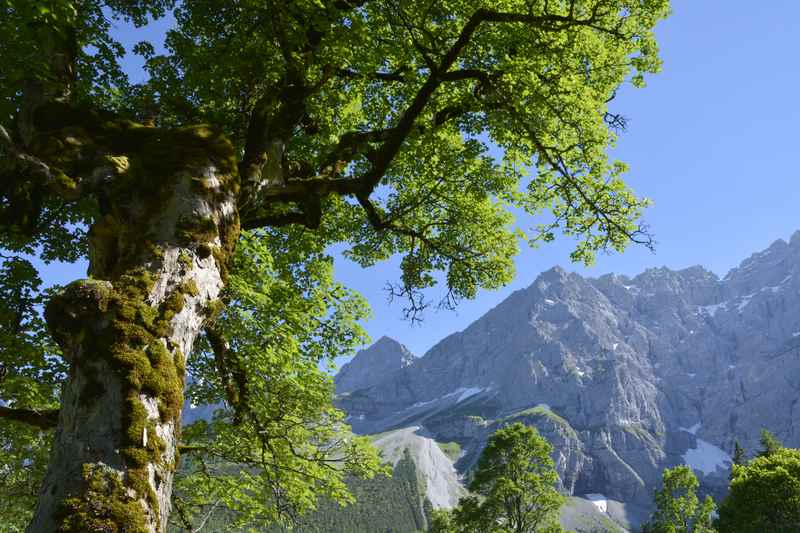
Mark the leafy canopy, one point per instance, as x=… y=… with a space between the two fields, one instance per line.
x=30 y=373
x=363 y=122
x=678 y=509
x=278 y=444
x=764 y=495
x=391 y=105
x=769 y=443
x=514 y=486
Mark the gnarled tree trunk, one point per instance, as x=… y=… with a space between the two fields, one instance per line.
x=157 y=266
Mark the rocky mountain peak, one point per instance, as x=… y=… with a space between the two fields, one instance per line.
x=623 y=375
x=768 y=268
x=373 y=364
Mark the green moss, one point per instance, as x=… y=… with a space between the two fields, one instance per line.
x=106 y=507
x=132 y=345
x=185 y=260
x=213 y=309
x=180 y=363
x=149 y=164
x=190 y=288
x=196 y=229
x=64 y=185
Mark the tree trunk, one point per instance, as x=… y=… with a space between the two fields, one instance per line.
x=158 y=254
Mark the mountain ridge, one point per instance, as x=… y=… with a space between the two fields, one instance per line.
x=643 y=372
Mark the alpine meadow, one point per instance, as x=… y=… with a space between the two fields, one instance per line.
x=206 y=200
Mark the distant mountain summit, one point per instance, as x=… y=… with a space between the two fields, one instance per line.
x=373 y=364
x=624 y=376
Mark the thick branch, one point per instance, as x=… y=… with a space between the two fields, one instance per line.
x=384 y=156
x=58 y=47
x=231 y=373
x=277 y=113
x=396 y=76
x=356 y=144
x=42 y=419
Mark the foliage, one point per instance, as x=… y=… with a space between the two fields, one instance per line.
x=738 y=454
x=23 y=459
x=513 y=485
x=387 y=96
x=678 y=509
x=451 y=449
x=764 y=495
x=270 y=454
x=442 y=522
x=30 y=374
x=30 y=369
x=362 y=122
x=382 y=504
x=769 y=443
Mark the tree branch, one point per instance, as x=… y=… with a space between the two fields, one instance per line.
x=355 y=144
x=384 y=156
x=42 y=419
x=232 y=375
x=396 y=76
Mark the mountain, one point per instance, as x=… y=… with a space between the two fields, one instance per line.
x=372 y=365
x=624 y=376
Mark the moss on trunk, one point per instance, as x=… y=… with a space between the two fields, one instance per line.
x=168 y=193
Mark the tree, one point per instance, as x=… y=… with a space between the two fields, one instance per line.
x=738 y=454
x=764 y=495
x=441 y=521
x=514 y=485
x=769 y=443
x=678 y=510
x=364 y=122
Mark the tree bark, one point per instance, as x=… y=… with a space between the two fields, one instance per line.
x=158 y=256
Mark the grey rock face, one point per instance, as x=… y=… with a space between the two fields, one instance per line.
x=372 y=365
x=624 y=376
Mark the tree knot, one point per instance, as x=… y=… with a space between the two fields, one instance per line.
x=78 y=307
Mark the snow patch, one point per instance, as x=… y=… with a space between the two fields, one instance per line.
x=632 y=289
x=796 y=334
x=744 y=302
x=615 y=346
x=693 y=430
x=462 y=392
x=423 y=404
x=468 y=393
x=706 y=458
x=548 y=301
x=599 y=501
x=711 y=309
x=731 y=367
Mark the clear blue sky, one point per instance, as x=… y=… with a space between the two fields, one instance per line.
x=712 y=140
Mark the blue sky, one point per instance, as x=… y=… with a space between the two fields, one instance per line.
x=712 y=140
